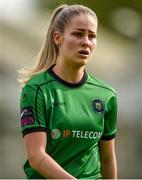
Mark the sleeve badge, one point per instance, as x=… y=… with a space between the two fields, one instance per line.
x=98 y=105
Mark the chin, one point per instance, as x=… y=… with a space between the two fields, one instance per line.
x=81 y=63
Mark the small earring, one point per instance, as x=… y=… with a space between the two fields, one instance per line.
x=58 y=43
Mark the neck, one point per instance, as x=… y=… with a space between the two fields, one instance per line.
x=69 y=73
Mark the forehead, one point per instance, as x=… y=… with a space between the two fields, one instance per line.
x=83 y=21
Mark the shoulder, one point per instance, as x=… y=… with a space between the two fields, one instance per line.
x=32 y=88
x=40 y=79
x=100 y=84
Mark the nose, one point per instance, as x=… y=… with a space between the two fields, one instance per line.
x=85 y=42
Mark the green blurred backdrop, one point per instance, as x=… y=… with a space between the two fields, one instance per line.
x=117 y=60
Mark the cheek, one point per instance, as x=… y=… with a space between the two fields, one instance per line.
x=70 y=44
x=94 y=44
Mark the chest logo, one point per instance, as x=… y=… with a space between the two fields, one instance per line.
x=55 y=133
x=98 y=105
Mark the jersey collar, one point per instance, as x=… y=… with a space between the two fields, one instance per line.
x=72 y=85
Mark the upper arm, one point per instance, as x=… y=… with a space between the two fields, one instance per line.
x=108 y=159
x=35 y=143
x=107 y=150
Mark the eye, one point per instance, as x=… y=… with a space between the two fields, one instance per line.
x=77 y=34
x=92 y=36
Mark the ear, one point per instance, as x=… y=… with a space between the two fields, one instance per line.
x=57 y=37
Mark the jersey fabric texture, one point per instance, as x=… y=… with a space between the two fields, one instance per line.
x=74 y=116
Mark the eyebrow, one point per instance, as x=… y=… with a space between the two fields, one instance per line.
x=82 y=30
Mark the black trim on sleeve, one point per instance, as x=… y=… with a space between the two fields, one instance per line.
x=35 y=129
x=107 y=138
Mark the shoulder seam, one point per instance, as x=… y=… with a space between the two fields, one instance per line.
x=44 y=101
x=102 y=87
x=37 y=90
x=47 y=82
x=34 y=84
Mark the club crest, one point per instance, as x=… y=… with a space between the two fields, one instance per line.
x=98 y=105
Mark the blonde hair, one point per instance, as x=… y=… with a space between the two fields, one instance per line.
x=49 y=52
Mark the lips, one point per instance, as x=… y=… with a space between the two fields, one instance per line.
x=84 y=52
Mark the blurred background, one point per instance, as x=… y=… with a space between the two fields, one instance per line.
x=117 y=60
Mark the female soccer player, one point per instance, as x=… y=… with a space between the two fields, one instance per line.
x=68 y=117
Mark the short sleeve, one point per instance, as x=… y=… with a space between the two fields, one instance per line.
x=32 y=107
x=110 y=119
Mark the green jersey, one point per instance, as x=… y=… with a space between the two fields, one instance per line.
x=75 y=118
